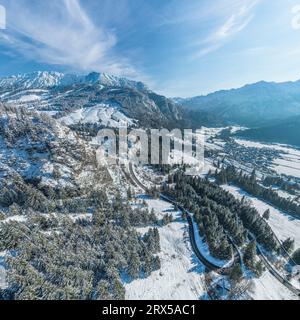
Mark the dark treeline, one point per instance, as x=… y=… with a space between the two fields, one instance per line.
x=296 y=256
x=219 y=214
x=250 y=184
x=289 y=186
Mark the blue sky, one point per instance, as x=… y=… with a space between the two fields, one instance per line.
x=180 y=48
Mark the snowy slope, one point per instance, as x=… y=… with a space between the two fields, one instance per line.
x=181 y=275
x=268 y=288
x=37 y=147
x=104 y=114
x=282 y=224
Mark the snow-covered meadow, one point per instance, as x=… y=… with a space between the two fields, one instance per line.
x=181 y=275
x=269 y=288
x=282 y=224
x=106 y=115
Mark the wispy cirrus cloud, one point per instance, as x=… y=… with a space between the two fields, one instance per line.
x=236 y=21
x=60 y=32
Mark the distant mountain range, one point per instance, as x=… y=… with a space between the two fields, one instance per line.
x=253 y=105
x=271 y=110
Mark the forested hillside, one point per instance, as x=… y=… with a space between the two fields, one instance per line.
x=65 y=236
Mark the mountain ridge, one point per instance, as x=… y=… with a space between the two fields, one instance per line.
x=257 y=83
x=42 y=79
x=251 y=105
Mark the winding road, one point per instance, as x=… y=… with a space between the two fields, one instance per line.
x=210 y=266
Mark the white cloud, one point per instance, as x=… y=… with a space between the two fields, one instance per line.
x=62 y=33
x=237 y=21
x=2 y=17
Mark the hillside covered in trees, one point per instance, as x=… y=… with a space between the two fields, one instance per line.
x=220 y=216
x=65 y=235
x=250 y=184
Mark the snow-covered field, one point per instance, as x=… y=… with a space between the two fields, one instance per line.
x=283 y=225
x=289 y=166
x=296 y=282
x=268 y=288
x=105 y=114
x=181 y=275
x=254 y=144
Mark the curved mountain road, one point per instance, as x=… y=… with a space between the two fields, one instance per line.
x=209 y=265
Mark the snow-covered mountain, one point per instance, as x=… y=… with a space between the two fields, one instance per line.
x=39 y=79
x=46 y=79
x=112 y=81
x=65 y=95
